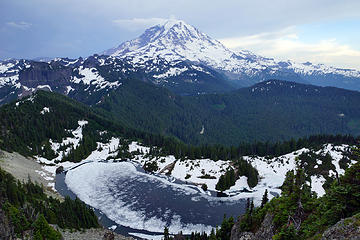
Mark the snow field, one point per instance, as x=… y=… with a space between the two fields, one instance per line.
x=45 y=110
x=92 y=77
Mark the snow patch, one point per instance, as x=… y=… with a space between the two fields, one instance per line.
x=175 y=71
x=45 y=110
x=317 y=185
x=69 y=89
x=12 y=81
x=91 y=76
x=44 y=86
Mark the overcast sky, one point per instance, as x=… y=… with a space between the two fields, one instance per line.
x=320 y=31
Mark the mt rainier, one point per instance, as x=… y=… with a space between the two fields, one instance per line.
x=176 y=40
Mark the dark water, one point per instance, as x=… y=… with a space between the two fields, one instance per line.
x=157 y=200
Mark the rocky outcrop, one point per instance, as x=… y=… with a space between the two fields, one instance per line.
x=243 y=236
x=348 y=229
x=265 y=232
x=267 y=229
x=91 y=234
x=236 y=233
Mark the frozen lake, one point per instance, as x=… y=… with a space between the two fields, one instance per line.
x=135 y=201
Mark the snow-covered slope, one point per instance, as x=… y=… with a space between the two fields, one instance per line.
x=272 y=171
x=176 y=40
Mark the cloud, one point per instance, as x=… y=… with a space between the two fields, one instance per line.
x=19 y=25
x=136 y=24
x=288 y=44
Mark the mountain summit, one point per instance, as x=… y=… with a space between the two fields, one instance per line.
x=175 y=40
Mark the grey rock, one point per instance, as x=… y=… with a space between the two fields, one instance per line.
x=246 y=236
x=348 y=228
x=236 y=234
x=265 y=232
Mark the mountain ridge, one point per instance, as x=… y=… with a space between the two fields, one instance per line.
x=102 y=74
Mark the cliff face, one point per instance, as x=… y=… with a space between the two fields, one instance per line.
x=53 y=75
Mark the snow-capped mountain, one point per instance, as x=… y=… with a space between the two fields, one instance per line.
x=176 y=40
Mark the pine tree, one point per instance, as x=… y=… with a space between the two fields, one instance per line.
x=251 y=206
x=212 y=235
x=166 y=233
x=248 y=205
x=265 y=198
x=288 y=186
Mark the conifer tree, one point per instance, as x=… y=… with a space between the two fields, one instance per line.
x=265 y=198
x=166 y=233
x=251 y=206
x=248 y=205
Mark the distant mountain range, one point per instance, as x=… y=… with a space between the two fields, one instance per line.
x=174 y=55
x=89 y=79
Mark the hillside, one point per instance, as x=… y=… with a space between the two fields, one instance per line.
x=269 y=111
x=74 y=131
x=300 y=214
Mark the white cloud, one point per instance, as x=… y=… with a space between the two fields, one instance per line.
x=136 y=24
x=287 y=44
x=19 y=25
